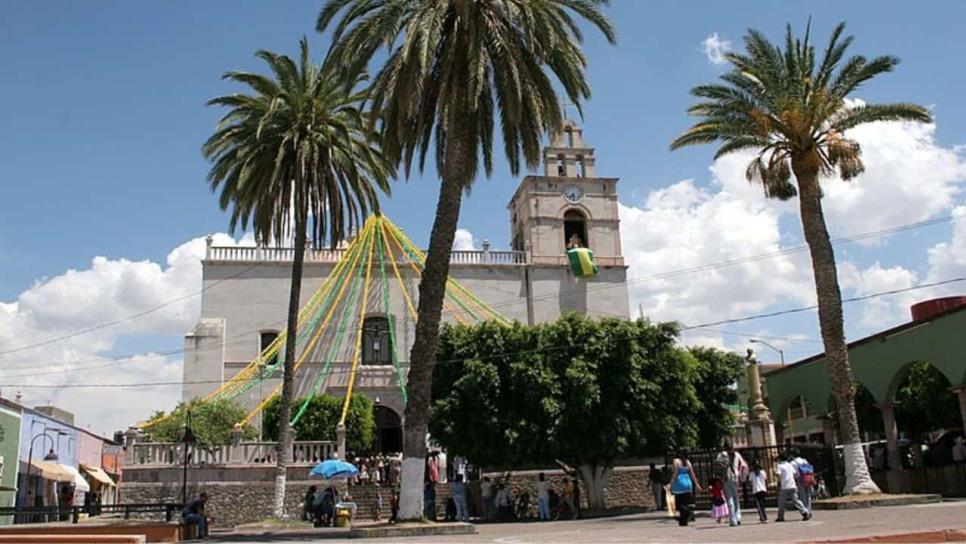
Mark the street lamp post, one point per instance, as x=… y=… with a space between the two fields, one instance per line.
x=187 y=440
x=781 y=357
x=51 y=456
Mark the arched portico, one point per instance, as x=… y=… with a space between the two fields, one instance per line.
x=880 y=363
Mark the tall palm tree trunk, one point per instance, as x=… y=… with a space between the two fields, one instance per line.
x=857 y=478
x=283 y=452
x=422 y=357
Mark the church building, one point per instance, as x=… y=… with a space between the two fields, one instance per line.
x=245 y=290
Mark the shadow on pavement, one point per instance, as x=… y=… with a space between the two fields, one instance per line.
x=280 y=536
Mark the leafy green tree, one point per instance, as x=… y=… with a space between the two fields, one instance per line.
x=320 y=419
x=295 y=157
x=584 y=391
x=924 y=402
x=790 y=109
x=211 y=423
x=717 y=374
x=453 y=68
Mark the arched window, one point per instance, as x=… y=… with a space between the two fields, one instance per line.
x=575 y=229
x=265 y=339
x=581 y=168
x=561 y=168
x=376 y=348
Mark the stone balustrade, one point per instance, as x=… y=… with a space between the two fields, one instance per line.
x=282 y=255
x=161 y=454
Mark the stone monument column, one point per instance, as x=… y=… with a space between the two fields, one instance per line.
x=760 y=424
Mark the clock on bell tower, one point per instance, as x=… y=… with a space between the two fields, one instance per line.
x=569 y=204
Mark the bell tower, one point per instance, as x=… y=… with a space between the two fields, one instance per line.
x=566 y=206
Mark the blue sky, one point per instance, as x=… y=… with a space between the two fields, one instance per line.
x=105 y=114
x=99 y=151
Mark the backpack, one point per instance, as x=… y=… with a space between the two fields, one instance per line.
x=806 y=474
x=719 y=468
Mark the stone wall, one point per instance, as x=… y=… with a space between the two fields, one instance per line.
x=948 y=481
x=627 y=487
x=233 y=503
x=239 y=495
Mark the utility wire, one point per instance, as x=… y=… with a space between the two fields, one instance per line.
x=662 y=275
x=118 y=321
x=535 y=350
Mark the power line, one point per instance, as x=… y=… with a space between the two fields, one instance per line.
x=535 y=350
x=738 y=261
x=814 y=306
x=118 y=321
x=662 y=275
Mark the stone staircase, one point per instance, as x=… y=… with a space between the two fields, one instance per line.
x=365 y=498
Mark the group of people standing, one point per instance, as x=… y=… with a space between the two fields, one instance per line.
x=796 y=481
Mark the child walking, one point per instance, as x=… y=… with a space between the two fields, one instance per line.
x=759 y=486
x=719 y=507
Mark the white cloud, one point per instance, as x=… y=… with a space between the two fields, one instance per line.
x=715 y=48
x=879 y=313
x=683 y=226
x=464 y=240
x=109 y=290
x=909 y=178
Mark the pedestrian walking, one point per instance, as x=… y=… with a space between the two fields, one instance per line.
x=788 y=489
x=502 y=503
x=719 y=507
x=568 y=499
x=487 y=492
x=759 y=486
x=394 y=506
x=683 y=484
x=656 y=479
x=733 y=470
x=805 y=478
x=429 y=501
x=459 y=497
x=543 y=498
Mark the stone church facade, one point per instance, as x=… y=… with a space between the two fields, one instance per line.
x=245 y=289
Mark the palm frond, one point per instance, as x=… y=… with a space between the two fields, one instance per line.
x=791 y=108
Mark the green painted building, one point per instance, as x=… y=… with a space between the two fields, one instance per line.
x=935 y=335
x=9 y=455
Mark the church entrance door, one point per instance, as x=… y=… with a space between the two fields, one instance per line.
x=388 y=430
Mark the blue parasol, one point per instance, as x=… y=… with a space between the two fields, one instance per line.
x=334 y=468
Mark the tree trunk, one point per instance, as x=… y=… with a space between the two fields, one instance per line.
x=595 y=477
x=422 y=357
x=283 y=452
x=830 y=321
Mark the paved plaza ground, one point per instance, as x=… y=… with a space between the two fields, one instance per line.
x=826 y=525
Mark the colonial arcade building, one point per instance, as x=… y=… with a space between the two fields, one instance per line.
x=245 y=293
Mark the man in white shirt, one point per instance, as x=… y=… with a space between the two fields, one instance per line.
x=788 y=489
x=543 y=498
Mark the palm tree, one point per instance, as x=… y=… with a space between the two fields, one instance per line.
x=793 y=111
x=454 y=67
x=295 y=158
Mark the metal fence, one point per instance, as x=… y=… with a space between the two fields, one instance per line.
x=45 y=514
x=828 y=469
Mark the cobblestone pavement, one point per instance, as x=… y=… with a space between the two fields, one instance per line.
x=825 y=525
